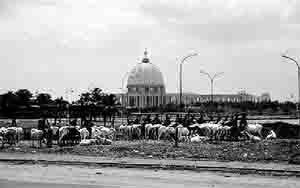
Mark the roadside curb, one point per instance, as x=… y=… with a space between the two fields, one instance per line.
x=157 y=166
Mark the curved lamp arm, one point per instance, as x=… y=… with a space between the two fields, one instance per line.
x=292 y=59
x=206 y=73
x=188 y=56
x=218 y=74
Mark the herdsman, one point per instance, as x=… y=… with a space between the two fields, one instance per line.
x=167 y=120
x=243 y=121
x=156 y=120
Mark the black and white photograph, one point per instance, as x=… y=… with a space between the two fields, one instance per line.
x=149 y=93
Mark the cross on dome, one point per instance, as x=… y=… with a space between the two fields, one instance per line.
x=145 y=59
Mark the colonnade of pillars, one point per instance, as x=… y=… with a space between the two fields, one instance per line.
x=143 y=101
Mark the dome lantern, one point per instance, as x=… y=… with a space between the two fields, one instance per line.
x=145 y=59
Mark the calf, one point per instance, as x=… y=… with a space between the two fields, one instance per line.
x=271 y=135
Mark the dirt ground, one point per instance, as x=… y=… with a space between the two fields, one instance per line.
x=278 y=151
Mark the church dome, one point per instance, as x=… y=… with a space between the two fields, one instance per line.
x=145 y=74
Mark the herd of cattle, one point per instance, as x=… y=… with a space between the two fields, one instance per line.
x=195 y=132
x=62 y=135
x=66 y=134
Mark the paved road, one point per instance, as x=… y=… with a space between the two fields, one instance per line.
x=35 y=176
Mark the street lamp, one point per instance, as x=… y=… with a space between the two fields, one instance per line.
x=124 y=90
x=212 y=78
x=180 y=76
x=292 y=59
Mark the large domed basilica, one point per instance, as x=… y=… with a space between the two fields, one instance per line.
x=145 y=85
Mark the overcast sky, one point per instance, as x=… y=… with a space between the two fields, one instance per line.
x=53 y=45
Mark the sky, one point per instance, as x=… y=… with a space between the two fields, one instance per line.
x=57 y=45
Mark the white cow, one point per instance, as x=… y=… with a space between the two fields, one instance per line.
x=198 y=138
x=183 y=133
x=62 y=131
x=55 y=134
x=210 y=129
x=87 y=142
x=36 y=135
x=103 y=132
x=123 y=130
x=147 y=130
x=20 y=133
x=162 y=132
x=84 y=133
x=252 y=137
x=254 y=129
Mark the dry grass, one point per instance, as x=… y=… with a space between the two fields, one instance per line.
x=264 y=151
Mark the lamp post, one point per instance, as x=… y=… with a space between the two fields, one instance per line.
x=123 y=95
x=124 y=90
x=180 y=76
x=211 y=78
x=298 y=69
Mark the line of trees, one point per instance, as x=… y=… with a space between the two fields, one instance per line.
x=24 y=101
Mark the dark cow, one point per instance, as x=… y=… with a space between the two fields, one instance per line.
x=69 y=135
x=282 y=129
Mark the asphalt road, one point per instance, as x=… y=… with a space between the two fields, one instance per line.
x=49 y=176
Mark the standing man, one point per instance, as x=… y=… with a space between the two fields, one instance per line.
x=243 y=122
x=167 y=120
x=147 y=120
x=178 y=119
x=137 y=120
x=14 y=122
x=200 y=119
x=235 y=129
x=156 y=120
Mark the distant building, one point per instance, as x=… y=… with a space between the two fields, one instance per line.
x=146 y=88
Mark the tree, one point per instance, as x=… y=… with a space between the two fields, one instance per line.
x=85 y=98
x=94 y=96
x=97 y=96
x=43 y=98
x=60 y=101
x=109 y=100
x=24 y=96
x=9 y=103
